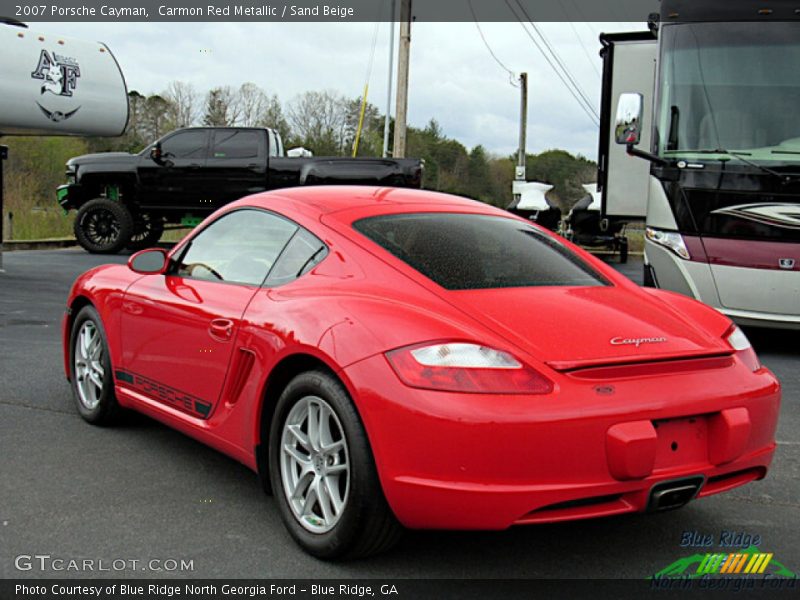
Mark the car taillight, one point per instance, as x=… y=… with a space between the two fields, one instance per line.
x=744 y=350
x=464 y=367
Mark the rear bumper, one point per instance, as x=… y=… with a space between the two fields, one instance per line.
x=468 y=461
x=453 y=506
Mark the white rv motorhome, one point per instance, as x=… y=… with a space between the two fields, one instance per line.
x=700 y=135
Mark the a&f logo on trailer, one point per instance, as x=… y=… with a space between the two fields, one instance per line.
x=59 y=76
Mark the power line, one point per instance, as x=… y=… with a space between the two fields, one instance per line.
x=579 y=13
x=511 y=75
x=568 y=83
x=585 y=50
x=557 y=58
x=571 y=87
x=373 y=45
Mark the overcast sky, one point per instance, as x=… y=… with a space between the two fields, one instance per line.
x=453 y=78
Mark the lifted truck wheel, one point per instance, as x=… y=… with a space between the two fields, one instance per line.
x=103 y=226
x=147 y=230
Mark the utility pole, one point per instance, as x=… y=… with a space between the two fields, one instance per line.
x=387 y=120
x=402 y=80
x=3 y=157
x=519 y=171
x=523 y=126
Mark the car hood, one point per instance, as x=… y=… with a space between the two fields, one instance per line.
x=573 y=327
x=101 y=157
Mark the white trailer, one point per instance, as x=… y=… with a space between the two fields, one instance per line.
x=56 y=85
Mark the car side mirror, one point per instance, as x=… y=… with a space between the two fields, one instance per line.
x=156 y=154
x=152 y=261
x=628 y=126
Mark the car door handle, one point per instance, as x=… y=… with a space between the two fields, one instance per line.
x=221 y=329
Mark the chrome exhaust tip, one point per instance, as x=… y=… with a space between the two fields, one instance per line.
x=669 y=495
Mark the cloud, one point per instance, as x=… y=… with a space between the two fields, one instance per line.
x=453 y=77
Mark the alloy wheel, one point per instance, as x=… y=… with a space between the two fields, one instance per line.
x=101 y=226
x=314 y=463
x=89 y=371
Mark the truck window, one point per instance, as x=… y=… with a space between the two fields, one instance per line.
x=274 y=147
x=236 y=144
x=186 y=144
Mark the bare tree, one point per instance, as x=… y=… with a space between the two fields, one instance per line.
x=136 y=115
x=251 y=101
x=320 y=121
x=222 y=107
x=155 y=117
x=182 y=100
x=272 y=116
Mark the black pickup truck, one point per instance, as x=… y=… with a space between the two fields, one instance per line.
x=125 y=200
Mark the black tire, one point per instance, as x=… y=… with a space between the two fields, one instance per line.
x=623 y=250
x=103 y=226
x=147 y=230
x=648 y=280
x=366 y=524
x=107 y=410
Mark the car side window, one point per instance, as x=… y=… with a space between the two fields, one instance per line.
x=239 y=247
x=301 y=254
x=186 y=144
x=236 y=144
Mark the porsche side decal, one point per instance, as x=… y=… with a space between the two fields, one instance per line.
x=163 y=393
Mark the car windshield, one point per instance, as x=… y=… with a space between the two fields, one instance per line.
x=731 y=87
x=468 y=251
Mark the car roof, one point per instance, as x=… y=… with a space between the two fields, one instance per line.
x=329 y=199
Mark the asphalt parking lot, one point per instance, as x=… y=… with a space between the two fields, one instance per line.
x=143 y=492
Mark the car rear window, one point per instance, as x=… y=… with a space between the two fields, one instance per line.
x=467 y=251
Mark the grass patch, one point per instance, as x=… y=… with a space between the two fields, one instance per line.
x=34 y=169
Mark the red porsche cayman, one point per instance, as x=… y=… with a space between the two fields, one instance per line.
x=389 y=357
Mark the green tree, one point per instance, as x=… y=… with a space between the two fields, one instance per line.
x=480 y=185
x=564 y=171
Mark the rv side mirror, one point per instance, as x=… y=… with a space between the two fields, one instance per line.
x=628 y=127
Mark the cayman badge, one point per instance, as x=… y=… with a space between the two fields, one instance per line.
x=624 y=341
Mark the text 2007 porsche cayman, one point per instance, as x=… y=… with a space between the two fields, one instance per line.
x=388 y=358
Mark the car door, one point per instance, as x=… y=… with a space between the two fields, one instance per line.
x=237 y=165
x=177 y=179
x=179 y=330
